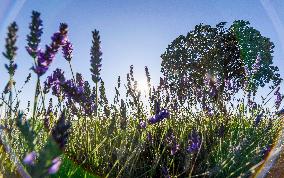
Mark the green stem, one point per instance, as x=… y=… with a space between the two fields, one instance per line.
x=10 y=97
x=96 y=98
x=71 y=70
x=35 y=100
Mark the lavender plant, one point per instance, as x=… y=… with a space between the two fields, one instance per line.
x=10 y=55
x=96 y=61
x=84 y=134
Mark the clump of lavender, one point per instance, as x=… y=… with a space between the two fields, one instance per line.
x=34 y=37
x=164 y=113
x=54 y=81
x=75 y=91
x=44 y=58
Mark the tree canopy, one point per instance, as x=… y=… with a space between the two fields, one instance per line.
x=219 y=61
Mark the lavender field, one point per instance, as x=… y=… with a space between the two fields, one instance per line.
x=214 y=110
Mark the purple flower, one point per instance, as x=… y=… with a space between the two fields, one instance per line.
x=67 y=50
x=54 y=81
x=159 y=117
x=55 y=160
x=30 y=158
x=55 y=166
x=142 y=124
x=194 y=142
x=45 y=58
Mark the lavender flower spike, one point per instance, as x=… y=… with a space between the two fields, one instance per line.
x=34 y=37
x=30 y=158
x=55 y=167
x=159 y=117
x=96 y=57
x=46 y=57
x=67 y=50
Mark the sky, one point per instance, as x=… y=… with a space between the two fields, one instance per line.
x=132 y=32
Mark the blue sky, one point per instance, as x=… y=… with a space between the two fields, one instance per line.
x=132 y=32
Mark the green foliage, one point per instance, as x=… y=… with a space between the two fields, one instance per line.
x=250 y=43
x=222 y=53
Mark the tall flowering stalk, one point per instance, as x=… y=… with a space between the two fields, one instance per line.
x=96 y=59
x=44 y=58
x=67 y=50
x=10 y=54
x=34 y=38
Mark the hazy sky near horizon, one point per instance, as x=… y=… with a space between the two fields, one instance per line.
x=132 y=32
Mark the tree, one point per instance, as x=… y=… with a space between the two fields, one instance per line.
x=214 y=61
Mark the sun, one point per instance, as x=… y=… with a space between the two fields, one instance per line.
x=142 y=86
